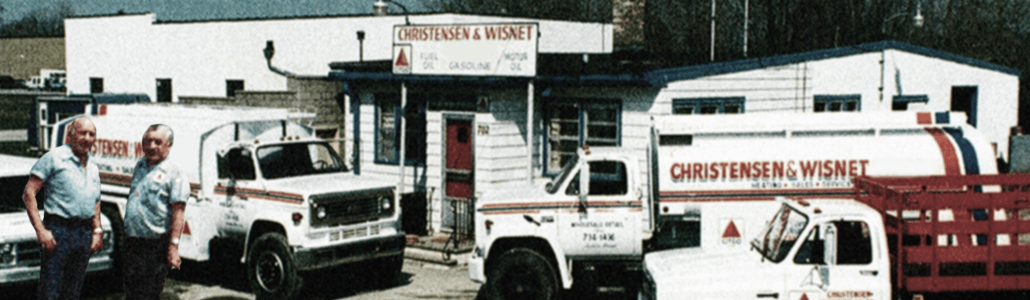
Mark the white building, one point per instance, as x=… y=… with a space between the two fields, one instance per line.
x=138 y=54
x=469 y=133
x=872 y=77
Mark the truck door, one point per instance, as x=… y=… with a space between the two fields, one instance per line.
x=236 y=173
x=846 y=267
x=604 y=213
x=199 y=230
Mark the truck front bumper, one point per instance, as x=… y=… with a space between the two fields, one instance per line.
x=374 y=248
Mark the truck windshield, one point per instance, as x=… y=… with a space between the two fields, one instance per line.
x=289 y=160
x=780 y=234
x=558 y=179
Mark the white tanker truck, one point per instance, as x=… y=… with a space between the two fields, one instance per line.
x=706 y=181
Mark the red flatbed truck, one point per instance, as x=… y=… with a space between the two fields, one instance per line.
x=952 y=236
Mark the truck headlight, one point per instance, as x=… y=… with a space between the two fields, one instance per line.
x=387 y=203
x=320 y=213
x=6 y=254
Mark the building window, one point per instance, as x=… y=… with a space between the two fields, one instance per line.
x=837 y=103
x=571 y=124
x=233 y=86
x=708 y=106
x=387 y=129
x=96 y=85
x=900 y=102
x=164 y=90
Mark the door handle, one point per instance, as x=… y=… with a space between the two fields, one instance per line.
x=869 y=272
x=769 y=295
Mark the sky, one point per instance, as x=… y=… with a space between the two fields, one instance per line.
x=178 y=10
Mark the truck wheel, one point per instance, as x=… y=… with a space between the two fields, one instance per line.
x=388 y=269
x=114 y=275
x=522 y=274
x=270 y=268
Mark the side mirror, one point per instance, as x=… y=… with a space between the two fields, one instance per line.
x=824 y=276
x=830 y=244
x=584 y=182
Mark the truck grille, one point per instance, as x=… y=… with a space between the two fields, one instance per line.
x=351 y=208
x=20 y=253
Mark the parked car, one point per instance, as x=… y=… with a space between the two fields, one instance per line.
x=8 y=82
x=19 y=248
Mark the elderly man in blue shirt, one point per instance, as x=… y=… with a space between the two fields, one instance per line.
x=71 y=230
x=154 y=216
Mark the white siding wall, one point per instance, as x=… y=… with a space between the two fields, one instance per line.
x=791 y=88
x=500 y=152
x=637 y=104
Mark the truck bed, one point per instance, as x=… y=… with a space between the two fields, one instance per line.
x=952 y=235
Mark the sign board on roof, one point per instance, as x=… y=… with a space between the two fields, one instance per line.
x=507 y=49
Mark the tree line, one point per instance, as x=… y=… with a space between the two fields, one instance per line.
x=679 y=32
x=41 y=22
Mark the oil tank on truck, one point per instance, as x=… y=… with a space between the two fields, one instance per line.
x=716 y=176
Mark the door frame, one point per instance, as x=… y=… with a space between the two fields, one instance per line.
x=444 y=202
x=974 y=99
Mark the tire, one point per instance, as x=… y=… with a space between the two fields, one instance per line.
x=114 y=276
x=387 y=269
x=522 y=274
x=270 y=268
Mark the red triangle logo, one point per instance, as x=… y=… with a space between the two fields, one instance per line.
x=186 y=229
x=804 y=297
x=731 y=231
x=402 y=60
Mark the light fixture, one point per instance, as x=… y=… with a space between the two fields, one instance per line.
x=918 y=19
x=382 y=8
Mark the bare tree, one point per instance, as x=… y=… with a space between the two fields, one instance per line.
x=41 y=22
x=580 y=10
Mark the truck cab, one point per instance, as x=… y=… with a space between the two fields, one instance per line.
x=810 y=249
x=591 y=216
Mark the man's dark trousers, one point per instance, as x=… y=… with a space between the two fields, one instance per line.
x=63 y=270
x=146 y=265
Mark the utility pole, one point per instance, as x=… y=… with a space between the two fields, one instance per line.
x=745 y=26
x=712 y=51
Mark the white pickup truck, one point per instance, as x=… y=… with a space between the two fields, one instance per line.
x=897 y=238
x=19 y=247
x=265 y=191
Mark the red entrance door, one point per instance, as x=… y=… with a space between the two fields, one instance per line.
x=458 y=172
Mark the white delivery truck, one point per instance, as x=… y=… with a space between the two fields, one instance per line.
x=19 y=246
x=706 y=181
x=898 y=238
x=264 y=190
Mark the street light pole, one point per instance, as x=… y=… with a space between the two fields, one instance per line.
x=382 y=7
x=745 y=26
x=712 y=51
x=917 y=20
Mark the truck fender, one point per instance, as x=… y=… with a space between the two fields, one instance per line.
x=259 y=227
x=564 y=272
x=501 y=245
